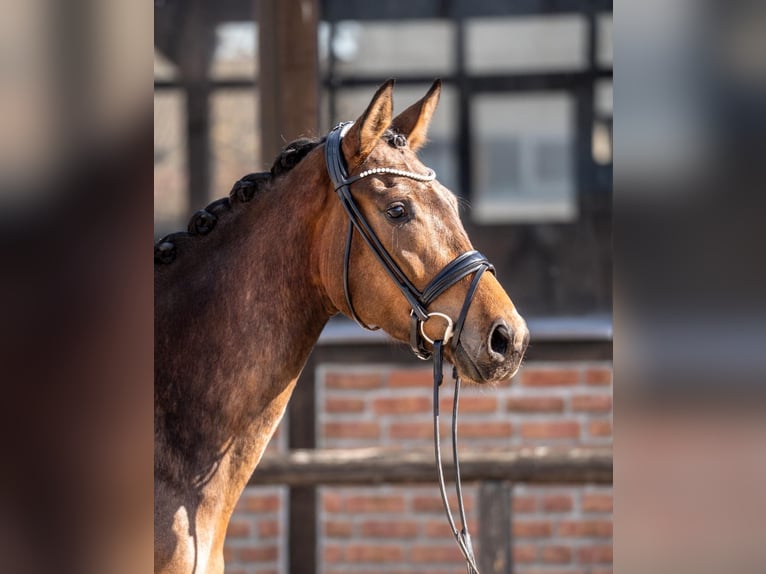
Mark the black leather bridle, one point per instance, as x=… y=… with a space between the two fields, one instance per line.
x=462 y=266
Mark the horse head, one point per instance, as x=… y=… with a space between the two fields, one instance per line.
x=416 y=222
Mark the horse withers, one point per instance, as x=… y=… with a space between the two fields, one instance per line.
x=242 y=297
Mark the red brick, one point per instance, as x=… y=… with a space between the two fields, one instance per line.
x=337 y=528
x=595 y=554
x=389 y=528
x=402 y=405
x=470 y=404
x=268 y=528
x=601 y=571
x=337 y=380
x=256 y=554
x=592 y=403
x=524 y=504
x=557 y=503
x=251 y=502
x=437 y=529
x=524 y=553
x=381 y=503
x=552 y=429
x=549 y=377
x=413 y=378
x=598 y=376
x=535 y=404
x=490 y=429
x=374 y=553
x=238 y=529
x=353 y=430
x=332 y=553
x=332 y=502
x=585 y=528
x=531 y=528
x=422 y=430
x=441 y=528
x=344 y=405
x=432 y=554
x=434 y=503
x=556 y=554
x=597 y=502
x=600 y=428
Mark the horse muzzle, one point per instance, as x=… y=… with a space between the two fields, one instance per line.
x=494 y=356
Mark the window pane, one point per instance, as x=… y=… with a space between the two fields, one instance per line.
x=527 y=43
x=234 y=146
x=375 y=48
x=604 y=98
x=605 y=54
x=523 y=158
x=170 y=200
x=439 y=152
x=234 y=55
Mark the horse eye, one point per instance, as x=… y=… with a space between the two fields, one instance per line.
x=396 y=211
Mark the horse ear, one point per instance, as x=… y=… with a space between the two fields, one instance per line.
x=413 y=122
x=366 y=131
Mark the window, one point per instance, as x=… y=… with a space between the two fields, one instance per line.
x=525 y=43
x=170 y=174
x=388 y=47
x=523 y=158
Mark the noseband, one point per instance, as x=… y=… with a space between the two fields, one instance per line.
x=462 y=266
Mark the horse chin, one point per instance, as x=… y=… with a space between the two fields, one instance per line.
x=474 y=372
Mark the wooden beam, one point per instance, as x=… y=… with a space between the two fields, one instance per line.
x=303 y=534
x=198 y=40
x=289 y=72
x=495 y=554
x=289 y=107
x=368 y=466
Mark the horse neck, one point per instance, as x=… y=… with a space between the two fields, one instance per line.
x=241 y=318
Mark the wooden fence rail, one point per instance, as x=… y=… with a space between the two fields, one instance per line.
x=494 y=469
x=368 y=466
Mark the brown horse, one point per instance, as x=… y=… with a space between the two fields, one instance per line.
x=242 y=298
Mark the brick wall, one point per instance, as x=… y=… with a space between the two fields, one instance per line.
x=402 y=529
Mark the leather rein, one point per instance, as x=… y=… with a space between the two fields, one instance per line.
x=462 y=266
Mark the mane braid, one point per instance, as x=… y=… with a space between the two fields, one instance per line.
x=295 y=151
x=292 y=154
x=204 y=220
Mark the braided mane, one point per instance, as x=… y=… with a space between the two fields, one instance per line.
x=204 y=220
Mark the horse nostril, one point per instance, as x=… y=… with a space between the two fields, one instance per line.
x=500 y=340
